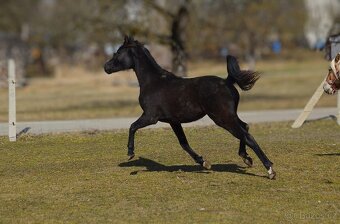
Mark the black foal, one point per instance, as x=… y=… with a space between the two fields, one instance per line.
x=167 y=98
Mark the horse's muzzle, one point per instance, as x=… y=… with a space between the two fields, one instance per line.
x=328 y=89
x=107 y=68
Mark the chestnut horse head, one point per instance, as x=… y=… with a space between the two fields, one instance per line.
x=332 y=82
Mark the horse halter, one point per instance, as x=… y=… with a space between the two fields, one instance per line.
x=329 y=87
x=333 y=67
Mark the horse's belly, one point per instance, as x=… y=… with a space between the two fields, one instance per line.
x=191 y=118
x=187 y=119
x=182 y=111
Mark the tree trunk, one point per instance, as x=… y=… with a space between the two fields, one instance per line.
x=251 y=51
x=178 y=38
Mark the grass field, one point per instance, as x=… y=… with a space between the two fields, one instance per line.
x=85 y=178
x=78 y=94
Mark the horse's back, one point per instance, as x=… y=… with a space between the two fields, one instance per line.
x=216 y=88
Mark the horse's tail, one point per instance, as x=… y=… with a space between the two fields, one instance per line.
x=244 y=78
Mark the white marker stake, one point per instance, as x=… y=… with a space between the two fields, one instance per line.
x=12 y=132
x=309 y=106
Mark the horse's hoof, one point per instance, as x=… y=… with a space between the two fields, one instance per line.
x=271 y=173
x=131 y=156
x=248 y=161
x=207 y=165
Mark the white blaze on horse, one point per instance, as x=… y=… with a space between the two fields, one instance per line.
x=332 y=82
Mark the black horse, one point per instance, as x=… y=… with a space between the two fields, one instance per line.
x=167 y=98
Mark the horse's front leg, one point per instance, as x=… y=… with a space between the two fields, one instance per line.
x=142 y=122
x=177 y=128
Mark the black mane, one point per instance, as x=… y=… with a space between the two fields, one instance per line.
x=130 y=42
x=154 y=63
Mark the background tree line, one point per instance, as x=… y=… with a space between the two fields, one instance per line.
x=194 y=29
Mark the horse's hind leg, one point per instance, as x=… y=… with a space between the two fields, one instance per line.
x=242 y=150
x=250 y=141
x=230 y=123
x=177 y=128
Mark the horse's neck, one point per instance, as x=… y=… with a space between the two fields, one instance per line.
x=146 y=70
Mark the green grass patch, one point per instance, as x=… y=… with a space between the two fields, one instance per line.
x=85 y=178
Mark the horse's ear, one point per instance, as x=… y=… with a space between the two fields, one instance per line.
x=131 y=40
x=337 y=58
x=126 y=39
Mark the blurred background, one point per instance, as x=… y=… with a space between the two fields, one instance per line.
x=60 y=46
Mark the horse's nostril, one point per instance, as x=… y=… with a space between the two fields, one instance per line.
x=106 y=69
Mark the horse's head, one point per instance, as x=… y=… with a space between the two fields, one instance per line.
x=332 y=83
x=123 y=58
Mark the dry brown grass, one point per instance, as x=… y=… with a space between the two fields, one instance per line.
x=75 y=93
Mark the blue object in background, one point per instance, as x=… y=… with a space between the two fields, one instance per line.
x=320 y=44
x=276 y=47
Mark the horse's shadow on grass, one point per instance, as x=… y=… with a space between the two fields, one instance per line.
x=153 y=166
x=328 y=154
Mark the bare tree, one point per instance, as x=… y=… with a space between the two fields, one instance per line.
x=185 y=26
x=163 y=22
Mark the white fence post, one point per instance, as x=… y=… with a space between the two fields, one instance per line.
x=12 y=132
